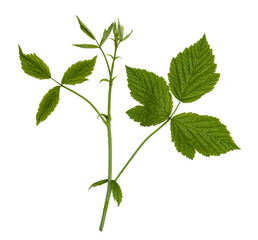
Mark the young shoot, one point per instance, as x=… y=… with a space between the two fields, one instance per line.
x=191 y=75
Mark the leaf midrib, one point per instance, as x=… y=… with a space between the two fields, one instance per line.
x=195 y=63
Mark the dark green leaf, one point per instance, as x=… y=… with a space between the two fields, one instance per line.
x=48 y=104
x=85 y=45
x=117 y=192
x=85 y=29
x=106 y=34
x=192 y=73
x=151 y=91
x=34 y=66
x=205 y=134
x=78 y=72
x=101 y=182
x=143 y=115
x=127 y=36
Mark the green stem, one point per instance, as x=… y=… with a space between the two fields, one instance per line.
x=144 y=141
x=137 y=150
x=105 y=57
x=109 y=188
x=85 y=99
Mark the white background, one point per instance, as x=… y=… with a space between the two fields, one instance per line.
x=45 y=170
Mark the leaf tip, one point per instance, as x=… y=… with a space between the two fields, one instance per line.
x=237 y=147
x=79 y=20
x=95 y=58
x=20 y=50
x=37 y=122
x=99 y=183
x=38 y=119
x=204 y=39
x=128 y=70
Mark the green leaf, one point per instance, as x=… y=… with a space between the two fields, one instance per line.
x=120 y=30
x=113 y=56
x=114 y=78
x=106 y=34
x=85 y=45
x=104 y=80
x=117 y=192
x=78 y=72
x=115 y=32
x=85 y=29
x=205 y=134
x=127 y=36
x=101 y=182
x=192 y=72
x=48 y=104
x=144 y=115
x=34 y=66
x=153 y=93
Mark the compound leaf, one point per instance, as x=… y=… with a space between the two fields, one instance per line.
x=192 y=72
x=85 y=29
x=48 y=104
x=99 y=183
x=153 y=93
x=117 y=192
x=34 y=66
x=78 y=72
x=205 y=134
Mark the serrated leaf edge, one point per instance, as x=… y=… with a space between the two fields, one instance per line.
x=38 y=121
x=44 y=71
x=116 y=192
x=236 y=147
x=65 y=79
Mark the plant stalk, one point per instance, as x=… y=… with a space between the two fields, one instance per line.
x=140 y=146
x=109 y=187
x=144 y=141
x=85 y=99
